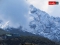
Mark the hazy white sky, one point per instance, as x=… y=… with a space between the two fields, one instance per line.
x=43 y=5
x=15 y=12
x=12 y=12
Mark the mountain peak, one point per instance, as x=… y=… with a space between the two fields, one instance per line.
x=46 y=25
x=34 y=10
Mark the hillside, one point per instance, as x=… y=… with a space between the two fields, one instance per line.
x=3 y=32
x=44 y=24
x=30 y=40
x=27 y=37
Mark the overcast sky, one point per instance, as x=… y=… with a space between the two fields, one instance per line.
x=43 y=5
x=13 y=12
x=16 y=12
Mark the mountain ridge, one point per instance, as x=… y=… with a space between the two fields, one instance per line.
x=45 y=25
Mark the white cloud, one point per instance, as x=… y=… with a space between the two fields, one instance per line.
x=43 y=5
x=14 y=11
x=6 y=24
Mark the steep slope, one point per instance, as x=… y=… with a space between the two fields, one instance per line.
x=3 y=32
x=26 y=37
x=45 y=25
x=37 y=40
x=19 y=31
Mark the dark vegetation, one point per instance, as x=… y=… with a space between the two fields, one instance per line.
x=25 y=38
x=28 y=39
x=2 y=32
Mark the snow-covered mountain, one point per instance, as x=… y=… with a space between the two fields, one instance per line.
x=44 y=24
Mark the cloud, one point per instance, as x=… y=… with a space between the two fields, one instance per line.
x=6 y=24
x=17 y=11
x=14 y=11
x=43 y=5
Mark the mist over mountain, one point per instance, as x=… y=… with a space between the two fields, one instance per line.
x=16 y=17
x=42 y=24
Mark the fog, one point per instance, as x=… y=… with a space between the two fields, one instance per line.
x=14 y=11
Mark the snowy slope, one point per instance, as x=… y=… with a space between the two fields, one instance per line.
x=45 y=25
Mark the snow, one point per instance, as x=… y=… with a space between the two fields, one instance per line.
x=46 y=25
